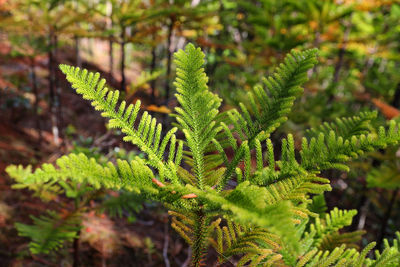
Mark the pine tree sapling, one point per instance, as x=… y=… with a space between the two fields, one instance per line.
x=259 y=212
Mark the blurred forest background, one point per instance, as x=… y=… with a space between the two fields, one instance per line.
x=131 y=43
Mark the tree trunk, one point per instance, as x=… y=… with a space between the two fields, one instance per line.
x=76 y=248
x=78 y=59
x=369 y=62
x=169 y=57
x=316 y=44
x=342 y=51
x=152 y=69
x=396 y=98
x=339 y=64
x=123 y=81
x=36 y=104
x=386 y=219
x=109 y=8
x=52 y=93
x=109 y=11
x=111 y=57
x=58 y=101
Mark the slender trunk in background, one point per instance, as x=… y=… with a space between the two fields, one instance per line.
x=169 y=57
x=90 y=43
x=369 y=62
x=395 y=103
x=109 y=8
x=362 y=210
x=76 y=262
x=339 y=64
x=123 y=81
x=317 y=40
x=361 y=202
x=316 y=44
x=52 y=93
x=165 y=248
x=36 y=104
x=342 y=51
x=78 y=59
x=111 y=57
x=76 y=248
x=386 y=219
x=152 y=69
x=371 y=58
x=396 y=98
x=58 y=101
x=212 y=67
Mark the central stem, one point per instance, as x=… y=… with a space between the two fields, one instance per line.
x=200 y=236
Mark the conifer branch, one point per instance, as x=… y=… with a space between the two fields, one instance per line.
x=268 y=108
x=198 y=106
x=147 y=135
x=133 y=176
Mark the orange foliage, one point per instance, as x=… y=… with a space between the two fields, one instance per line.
x=332 y=32
x=368 y=5
x=203 y=42
x=313 y=24
x=158 y=109
x=387 y=110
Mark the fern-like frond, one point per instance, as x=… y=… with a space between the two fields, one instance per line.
x=331 y=151
x=318 y=205
x=390 y=256
x=268 y=107
x=346 y=127
x=49 y=232
x=385 y=176
x=183 y=223
x=298 y=187
x=46 y=191
x=325 y=233
x=255 y=245
x=333 y=221
x=342 y=256
x=336 y=239
x=125 y=203
x=320 y=242
x=133 y=176
x=146 y=135
x=286 y=179
x=270 y=103
x=198 y=107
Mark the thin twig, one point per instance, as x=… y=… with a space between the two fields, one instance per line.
x=165 y=248
x=43 y=261
x=189 y=257
x=76 y=246
x=386 y=218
